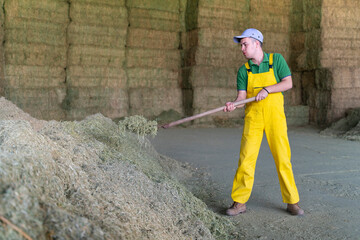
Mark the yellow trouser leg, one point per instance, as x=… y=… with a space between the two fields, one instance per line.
x=249 y=151
x=276 y=134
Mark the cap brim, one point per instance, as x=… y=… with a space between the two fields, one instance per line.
x=237 y=39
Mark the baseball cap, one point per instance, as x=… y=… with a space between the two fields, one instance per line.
x=251 y=32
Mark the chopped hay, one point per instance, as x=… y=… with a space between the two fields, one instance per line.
x=139 y=125
x=347 y=128
x=93 y=179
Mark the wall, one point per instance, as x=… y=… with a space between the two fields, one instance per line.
x=2 y=57
x=96 y=80
x=211 y=56
x=153 y=57
x=304 y=59
x=340 y=55
x=69 y=59
x=325 y=56
x=34 y=51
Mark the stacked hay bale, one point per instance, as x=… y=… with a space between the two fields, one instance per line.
x=96 y=78
x=340 y=56
x=153 y=57
x=297 y=45
x=2 y=64
x=325 y=53
x=212 y=58
x=35 y=56
x=306 y=44
x=274 y=20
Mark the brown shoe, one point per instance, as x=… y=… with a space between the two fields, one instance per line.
x=294 y=209
x=236 y=209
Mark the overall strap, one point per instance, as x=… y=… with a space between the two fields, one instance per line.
x=271 y=60
x=248 y=67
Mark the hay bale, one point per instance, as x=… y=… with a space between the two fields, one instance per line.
x=154 y=19
x=102 y=30
x=41 y=103
x=152 y=39
x=312 y=18
x=93 y=60
x=19 y=81
x=97 y=81
x=34 y=54
x=207 y=97
x=297 y=41
x=10 y=111
x=168 y=116
x=97 y=40
x=152 y=78
x=276 y=7
x=294 y=96
x=190 y=39
x=110 y=101
x=297 y=115
x=339 y=17
x=162 y=5
x=218 y=13
x=217 y=57
x=34 y=32
x=150 y=102
x=96 y=56
x=296 y=20
x=269 y=22
x=98 y=15
x=207 y=76
x=334 y=3
x=96 y=71
x=277 y=42
x=35 y=71
x=95 y=76
x=343 y=78
x=222 y=23
x=216 y=38
x=55 y=11
x=242 y=5
x=118 y=3
x=153 y=58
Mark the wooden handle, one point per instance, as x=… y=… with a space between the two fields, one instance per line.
x=205 y=113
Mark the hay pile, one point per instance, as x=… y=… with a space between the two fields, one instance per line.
x=92 y=179
x=347 y=128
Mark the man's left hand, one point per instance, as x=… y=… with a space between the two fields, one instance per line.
x=261 y=95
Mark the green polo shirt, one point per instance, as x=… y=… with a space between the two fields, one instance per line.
x=281 y=70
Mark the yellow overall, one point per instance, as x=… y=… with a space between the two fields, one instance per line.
x=266 y=115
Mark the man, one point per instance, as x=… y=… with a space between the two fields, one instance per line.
x=265 y=76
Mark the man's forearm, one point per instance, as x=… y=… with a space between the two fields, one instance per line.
x=284 y=85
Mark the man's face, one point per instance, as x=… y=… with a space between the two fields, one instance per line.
x=248 y=47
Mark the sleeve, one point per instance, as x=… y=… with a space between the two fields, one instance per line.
x=242 y=78
x=281 y=67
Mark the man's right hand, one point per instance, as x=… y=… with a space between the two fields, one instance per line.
x=229 y=107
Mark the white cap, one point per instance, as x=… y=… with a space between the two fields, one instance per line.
x=252 y=33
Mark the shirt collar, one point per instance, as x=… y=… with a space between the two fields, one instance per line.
x=265 y=60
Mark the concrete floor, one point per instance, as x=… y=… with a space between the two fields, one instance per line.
x=326 y=169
